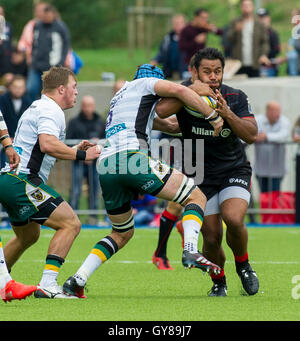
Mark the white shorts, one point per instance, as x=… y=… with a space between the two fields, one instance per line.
x=214 y=203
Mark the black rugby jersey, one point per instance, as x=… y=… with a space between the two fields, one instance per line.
x=225 y=151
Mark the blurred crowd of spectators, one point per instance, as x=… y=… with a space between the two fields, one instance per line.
x=249 y=39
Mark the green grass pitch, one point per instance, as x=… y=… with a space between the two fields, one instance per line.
x=129 y=288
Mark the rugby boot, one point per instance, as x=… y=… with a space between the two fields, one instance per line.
x=53 y=291
x=197 y=260
x=249 y=279
x=71 y=287
x=162 y=263
x=16 y=291
x=218 y=289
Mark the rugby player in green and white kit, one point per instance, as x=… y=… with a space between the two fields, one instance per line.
x=126 y=169
x=27 y=199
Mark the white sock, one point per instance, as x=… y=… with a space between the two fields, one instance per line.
x=48 y=278
x=4 y=274
x=101 y=252
x=191 y=235
x=89 y=266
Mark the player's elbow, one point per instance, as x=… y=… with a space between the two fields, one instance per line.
x=46 y=149
x=162 y=110
x=250 y=139
x=45 y=144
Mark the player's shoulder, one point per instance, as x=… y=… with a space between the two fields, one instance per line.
x=228 y=91
x=234 y=96
x=142 y=84
x=47 y=104
x=187 y=82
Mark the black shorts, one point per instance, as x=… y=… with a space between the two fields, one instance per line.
x=239 y=176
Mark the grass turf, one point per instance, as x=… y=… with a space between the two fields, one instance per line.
x=129 y=288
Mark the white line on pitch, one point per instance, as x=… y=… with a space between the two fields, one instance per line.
x=173 y=261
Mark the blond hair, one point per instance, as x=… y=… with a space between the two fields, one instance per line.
x=56 y=76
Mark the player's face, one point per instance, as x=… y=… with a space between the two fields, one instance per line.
x=211 y=73
x=71 y=93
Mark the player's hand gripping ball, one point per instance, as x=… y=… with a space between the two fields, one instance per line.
x=208 y=100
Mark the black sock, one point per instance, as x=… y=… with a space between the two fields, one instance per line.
x=167 y=221
x=241 y=262
x=221 y=280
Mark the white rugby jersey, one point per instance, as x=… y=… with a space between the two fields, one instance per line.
x=130 y=118
x=44 y=116
x=2 y=122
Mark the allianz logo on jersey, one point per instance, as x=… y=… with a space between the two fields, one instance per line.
x=210 y=132
x=115 y=129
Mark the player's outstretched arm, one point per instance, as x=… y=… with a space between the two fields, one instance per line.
x=51 y=145
x=165 y=88
x=169 y=106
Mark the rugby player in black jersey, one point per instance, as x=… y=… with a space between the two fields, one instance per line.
x=227 y=173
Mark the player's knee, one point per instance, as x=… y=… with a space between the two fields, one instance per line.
x=174 y=208
x=76 y=225
x=212 y=240
x=122 y=238
x=197 y=197
x=73 y=225
x=233 y=221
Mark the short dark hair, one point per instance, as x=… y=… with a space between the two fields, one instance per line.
x=49 y=8
x=16 y=77
x=198 y=11
x=209 y=53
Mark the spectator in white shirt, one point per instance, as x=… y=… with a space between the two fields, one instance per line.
x=273 y=132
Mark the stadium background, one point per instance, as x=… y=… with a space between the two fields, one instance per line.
x=130 y=287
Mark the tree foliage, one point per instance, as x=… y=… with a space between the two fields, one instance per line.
x=103 y=23
x=92 y=23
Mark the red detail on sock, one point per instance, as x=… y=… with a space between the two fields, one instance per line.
x=241 y=258
x=169 y=215
x=219 y=276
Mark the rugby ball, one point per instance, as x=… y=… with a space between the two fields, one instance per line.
x=208 y=100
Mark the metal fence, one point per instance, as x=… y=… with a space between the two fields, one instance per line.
x=60 y=180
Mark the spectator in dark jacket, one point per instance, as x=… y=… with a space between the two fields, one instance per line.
x=87 y=125
x=5 y=44
x=51 y=44
x=16 y=65
x=14 y=102
x=274 y=42
x=249 y=40
x=169 y=55
x=193 y=36
x=12 y=105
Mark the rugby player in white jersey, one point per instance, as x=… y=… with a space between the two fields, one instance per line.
x=27 y=199
x=9 y=289
x=126 y=169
